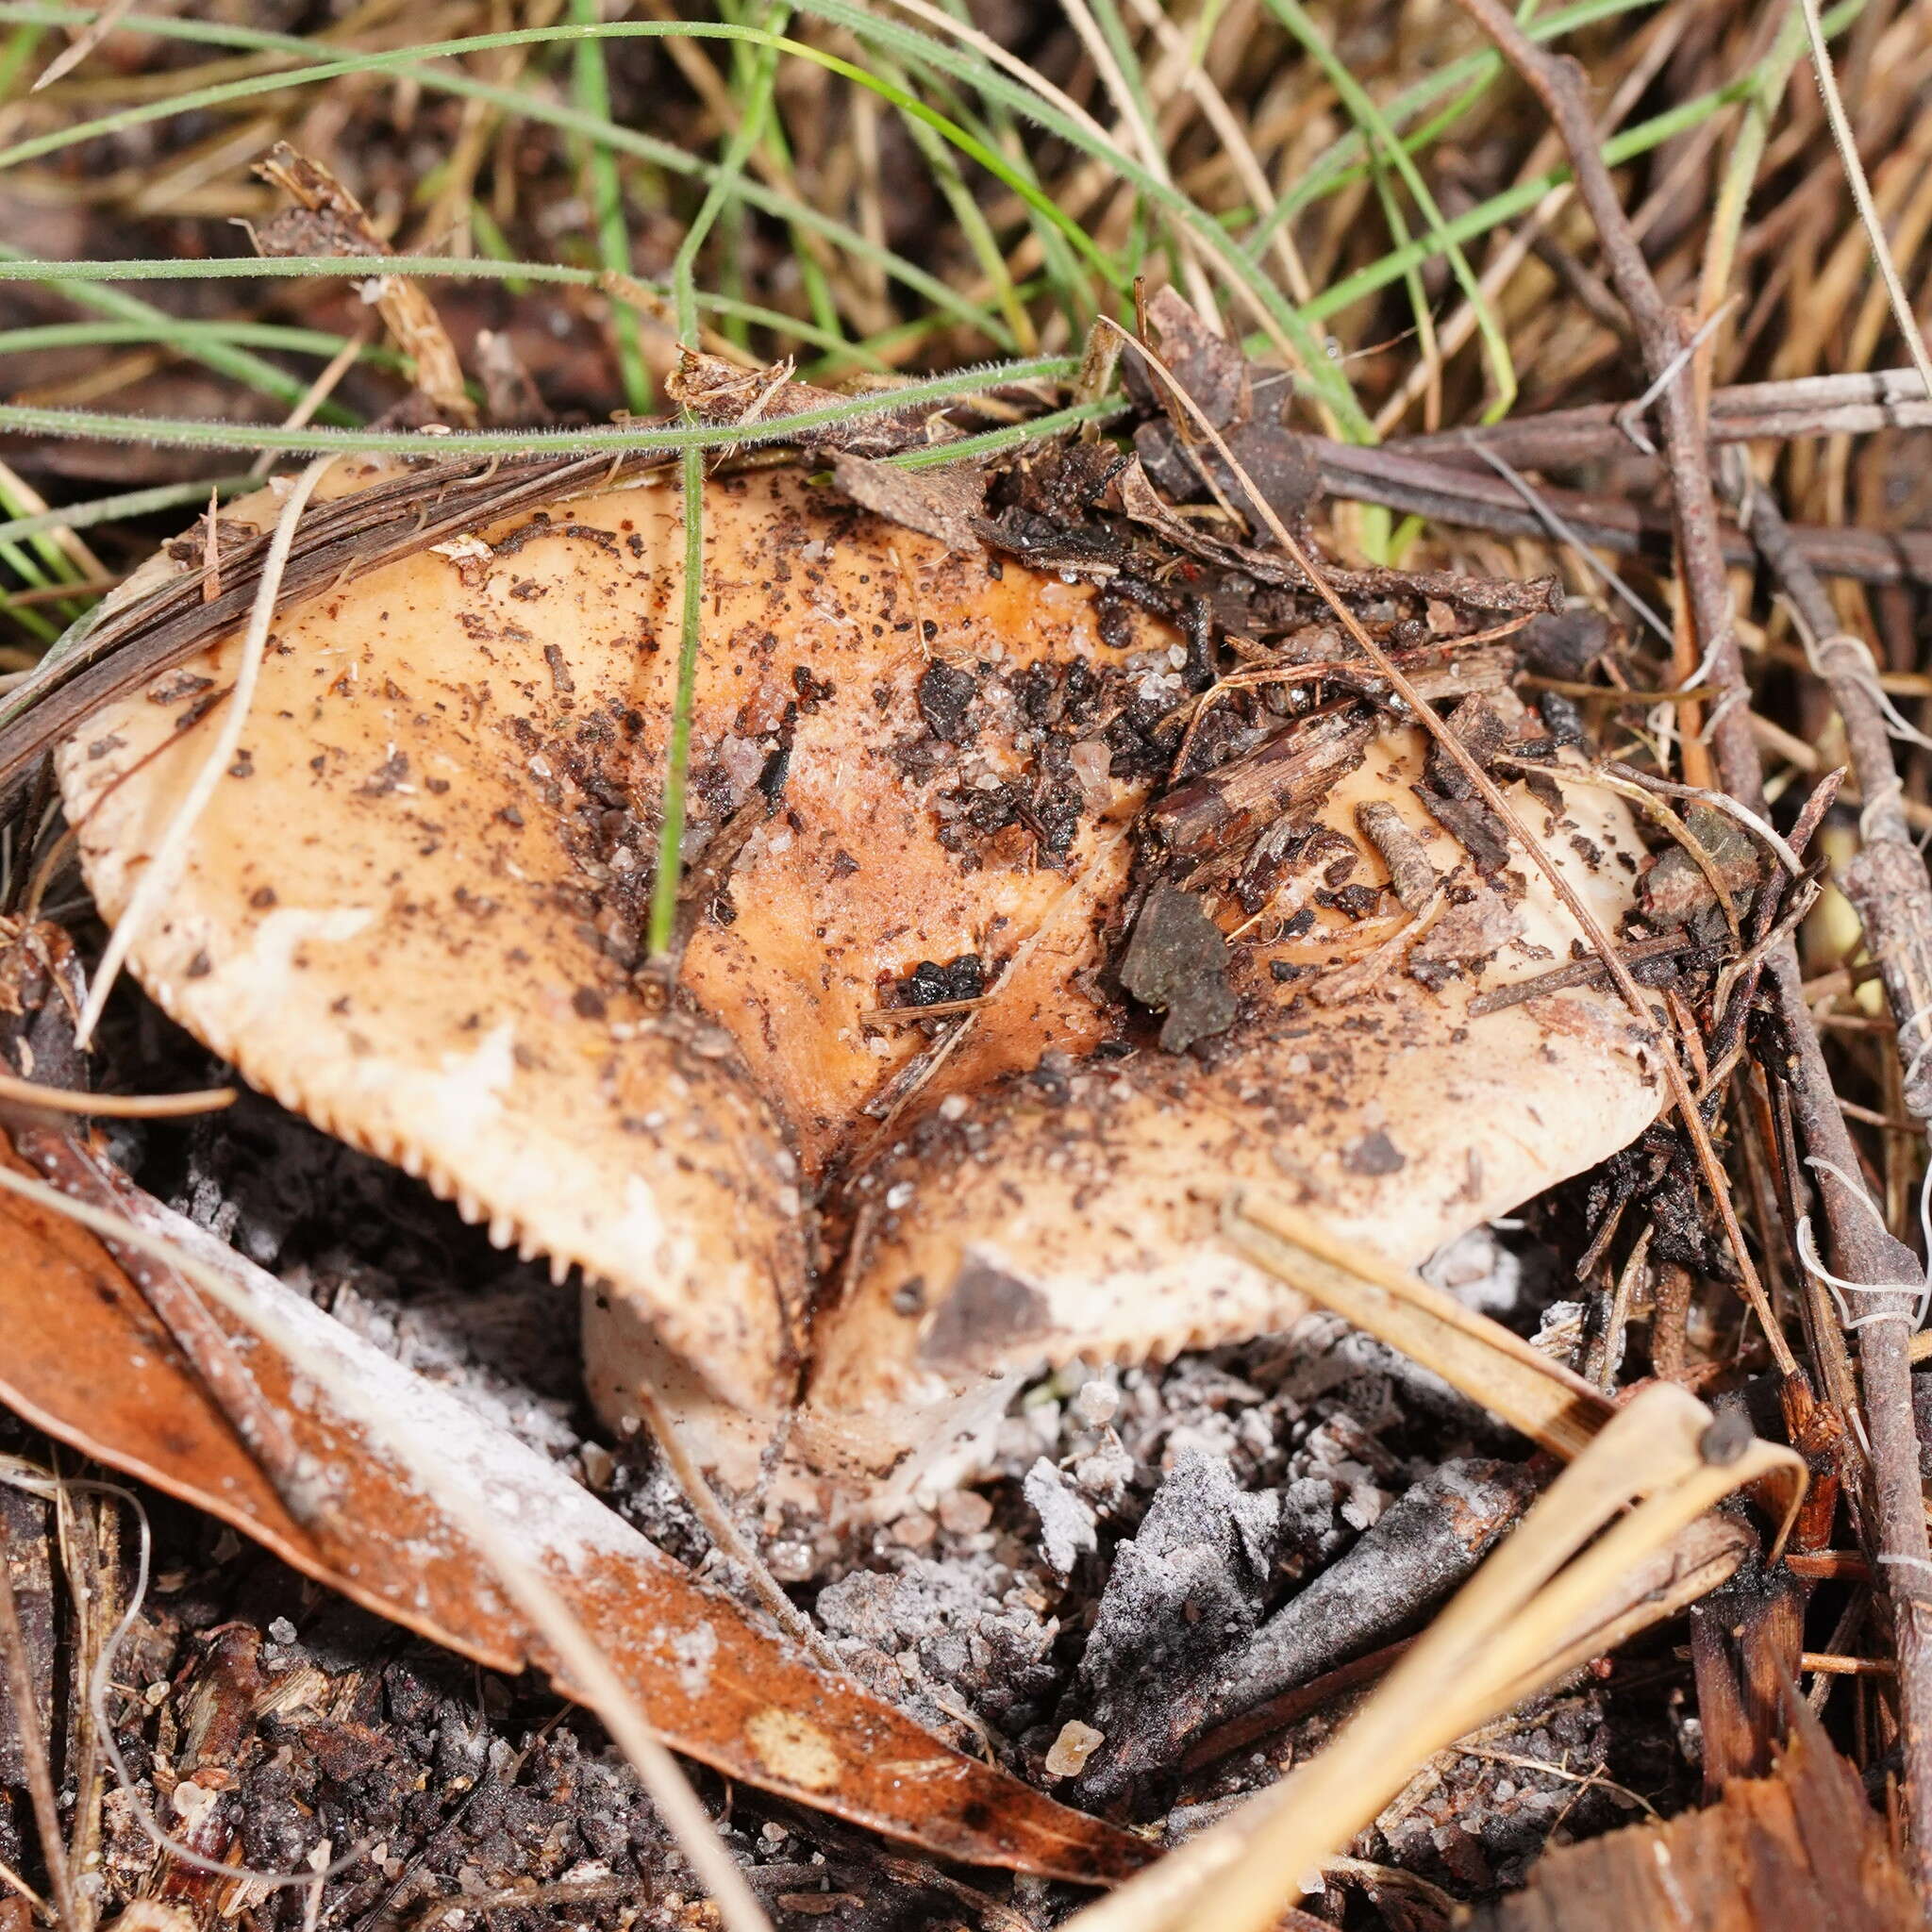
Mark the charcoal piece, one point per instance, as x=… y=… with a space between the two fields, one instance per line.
x=1424 y=1545
x=931 y=984
x=1267 y=863
x=1375 y=1154
x=1482 y=731
x=1466 y=934
x=1561 y=718
x=1177 y=963
x=1184 y=1596
x=1565 y=643
x=1676 y=890
x=1482 y=834
x=1275 y=459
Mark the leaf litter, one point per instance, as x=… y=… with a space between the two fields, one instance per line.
x=1181 y=976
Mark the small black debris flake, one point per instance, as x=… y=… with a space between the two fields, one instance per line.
x=930 y=984
x=944 y=693
x=1176 y=962
x=1375 y=1154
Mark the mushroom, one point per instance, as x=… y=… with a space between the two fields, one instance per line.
x=904 y=1133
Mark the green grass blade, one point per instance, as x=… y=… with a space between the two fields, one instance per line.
x=670 y=871
x=128 y=503
x=1384 y=141
x=905 y=43
x=417 y=64
x=590 y=88
x=184 y=433
x=234 y=363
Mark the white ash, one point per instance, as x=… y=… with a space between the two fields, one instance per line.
x=1190 y=1587
x=1479 y=1270
x=1103 y=1473
x=1560 y=1334
x=1068 y=1527
x=1477 y=1822
x=960 y=1644
x=486 y=1348
x=393 y=1265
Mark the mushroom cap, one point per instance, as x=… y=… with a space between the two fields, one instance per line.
x=414 y=910
x=1080 y=1215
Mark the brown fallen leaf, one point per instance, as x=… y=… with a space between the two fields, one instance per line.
x=87 y=1362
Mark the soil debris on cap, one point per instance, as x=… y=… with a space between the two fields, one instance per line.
x=1176 y=962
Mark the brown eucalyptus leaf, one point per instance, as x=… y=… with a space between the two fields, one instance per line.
x=87 y=1362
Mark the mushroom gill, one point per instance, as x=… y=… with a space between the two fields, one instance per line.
x=902 y=1073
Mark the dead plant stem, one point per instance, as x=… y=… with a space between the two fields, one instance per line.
x=1861 y=1249
x=33 y=1746
x=1887 y=882
x=1558 y=83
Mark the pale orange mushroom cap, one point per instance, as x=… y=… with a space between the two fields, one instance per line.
x=414 y=911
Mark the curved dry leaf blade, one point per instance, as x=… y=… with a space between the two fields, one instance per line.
x=87 y=1362
x=1551 y=1405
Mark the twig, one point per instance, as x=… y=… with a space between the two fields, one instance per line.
x=1862 y=1251
x=1847 y=146
x=1887 y=881
x=730 y=1541
x=1861 y=1248
x=1579 y=973
x=1805 y=406
x=1558 y=83
x=1435 y=482
x=33 y=1748
x=1548 y=517
x=1887 y=884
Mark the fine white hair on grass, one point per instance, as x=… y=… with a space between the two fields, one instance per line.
x=159 y=880
x=598 y=1684
x=1534 y=499
x=1920 y=1291
x=1629 y=419
x=1847 y=146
